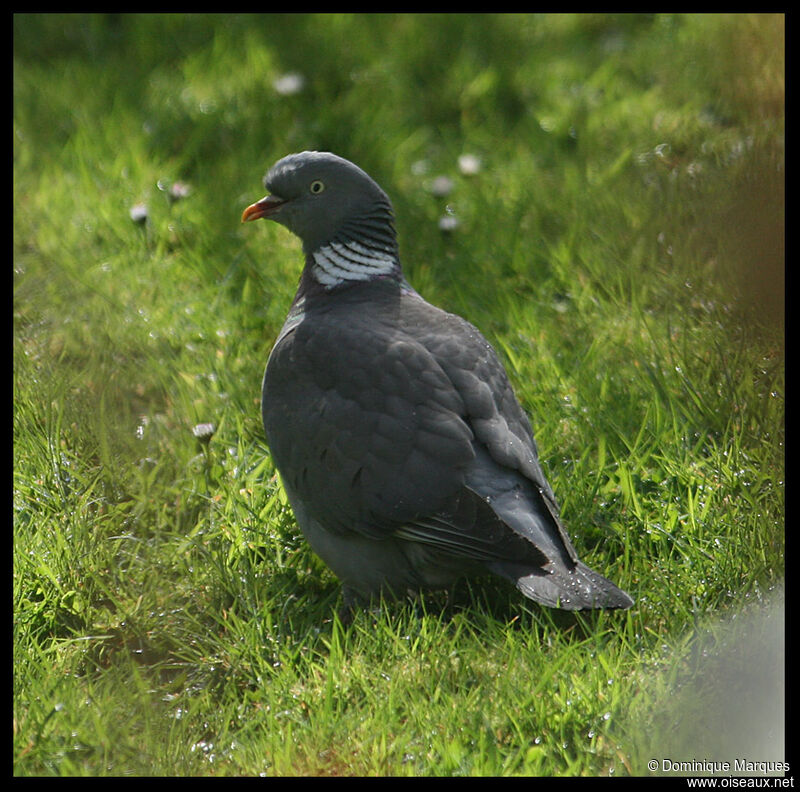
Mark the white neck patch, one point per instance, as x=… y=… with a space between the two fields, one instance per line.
x=350 y=261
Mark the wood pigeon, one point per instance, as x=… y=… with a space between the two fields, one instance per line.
x=405 y=455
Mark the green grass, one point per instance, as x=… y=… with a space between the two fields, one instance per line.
x=622 y=247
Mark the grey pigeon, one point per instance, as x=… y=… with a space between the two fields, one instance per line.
x=404 y=453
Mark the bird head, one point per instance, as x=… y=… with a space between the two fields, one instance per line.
x=321 y=198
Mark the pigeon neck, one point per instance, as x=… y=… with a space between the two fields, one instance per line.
x=364 y=248
x=343 y=262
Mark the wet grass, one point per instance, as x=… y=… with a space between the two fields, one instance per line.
x=621 y=245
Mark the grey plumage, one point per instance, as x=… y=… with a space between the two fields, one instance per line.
x=406 y=457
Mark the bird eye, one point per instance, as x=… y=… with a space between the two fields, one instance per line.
x=317 y=187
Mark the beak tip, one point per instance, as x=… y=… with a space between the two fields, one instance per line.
x=263 y=208
x=251 y=213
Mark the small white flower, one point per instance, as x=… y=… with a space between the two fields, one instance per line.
x=469 y=164
x=179 y=190
x=138 y=213
x=441 y=186
x=204 y=431
x=448 y=223
x=289 y=84
x=420 y=167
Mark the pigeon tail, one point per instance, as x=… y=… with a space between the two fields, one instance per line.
x=579 y=588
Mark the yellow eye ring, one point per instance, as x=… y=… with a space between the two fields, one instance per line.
x=316 y=187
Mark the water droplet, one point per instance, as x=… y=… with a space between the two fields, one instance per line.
x=662 y=150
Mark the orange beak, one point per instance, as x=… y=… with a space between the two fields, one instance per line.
x=263 y=208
